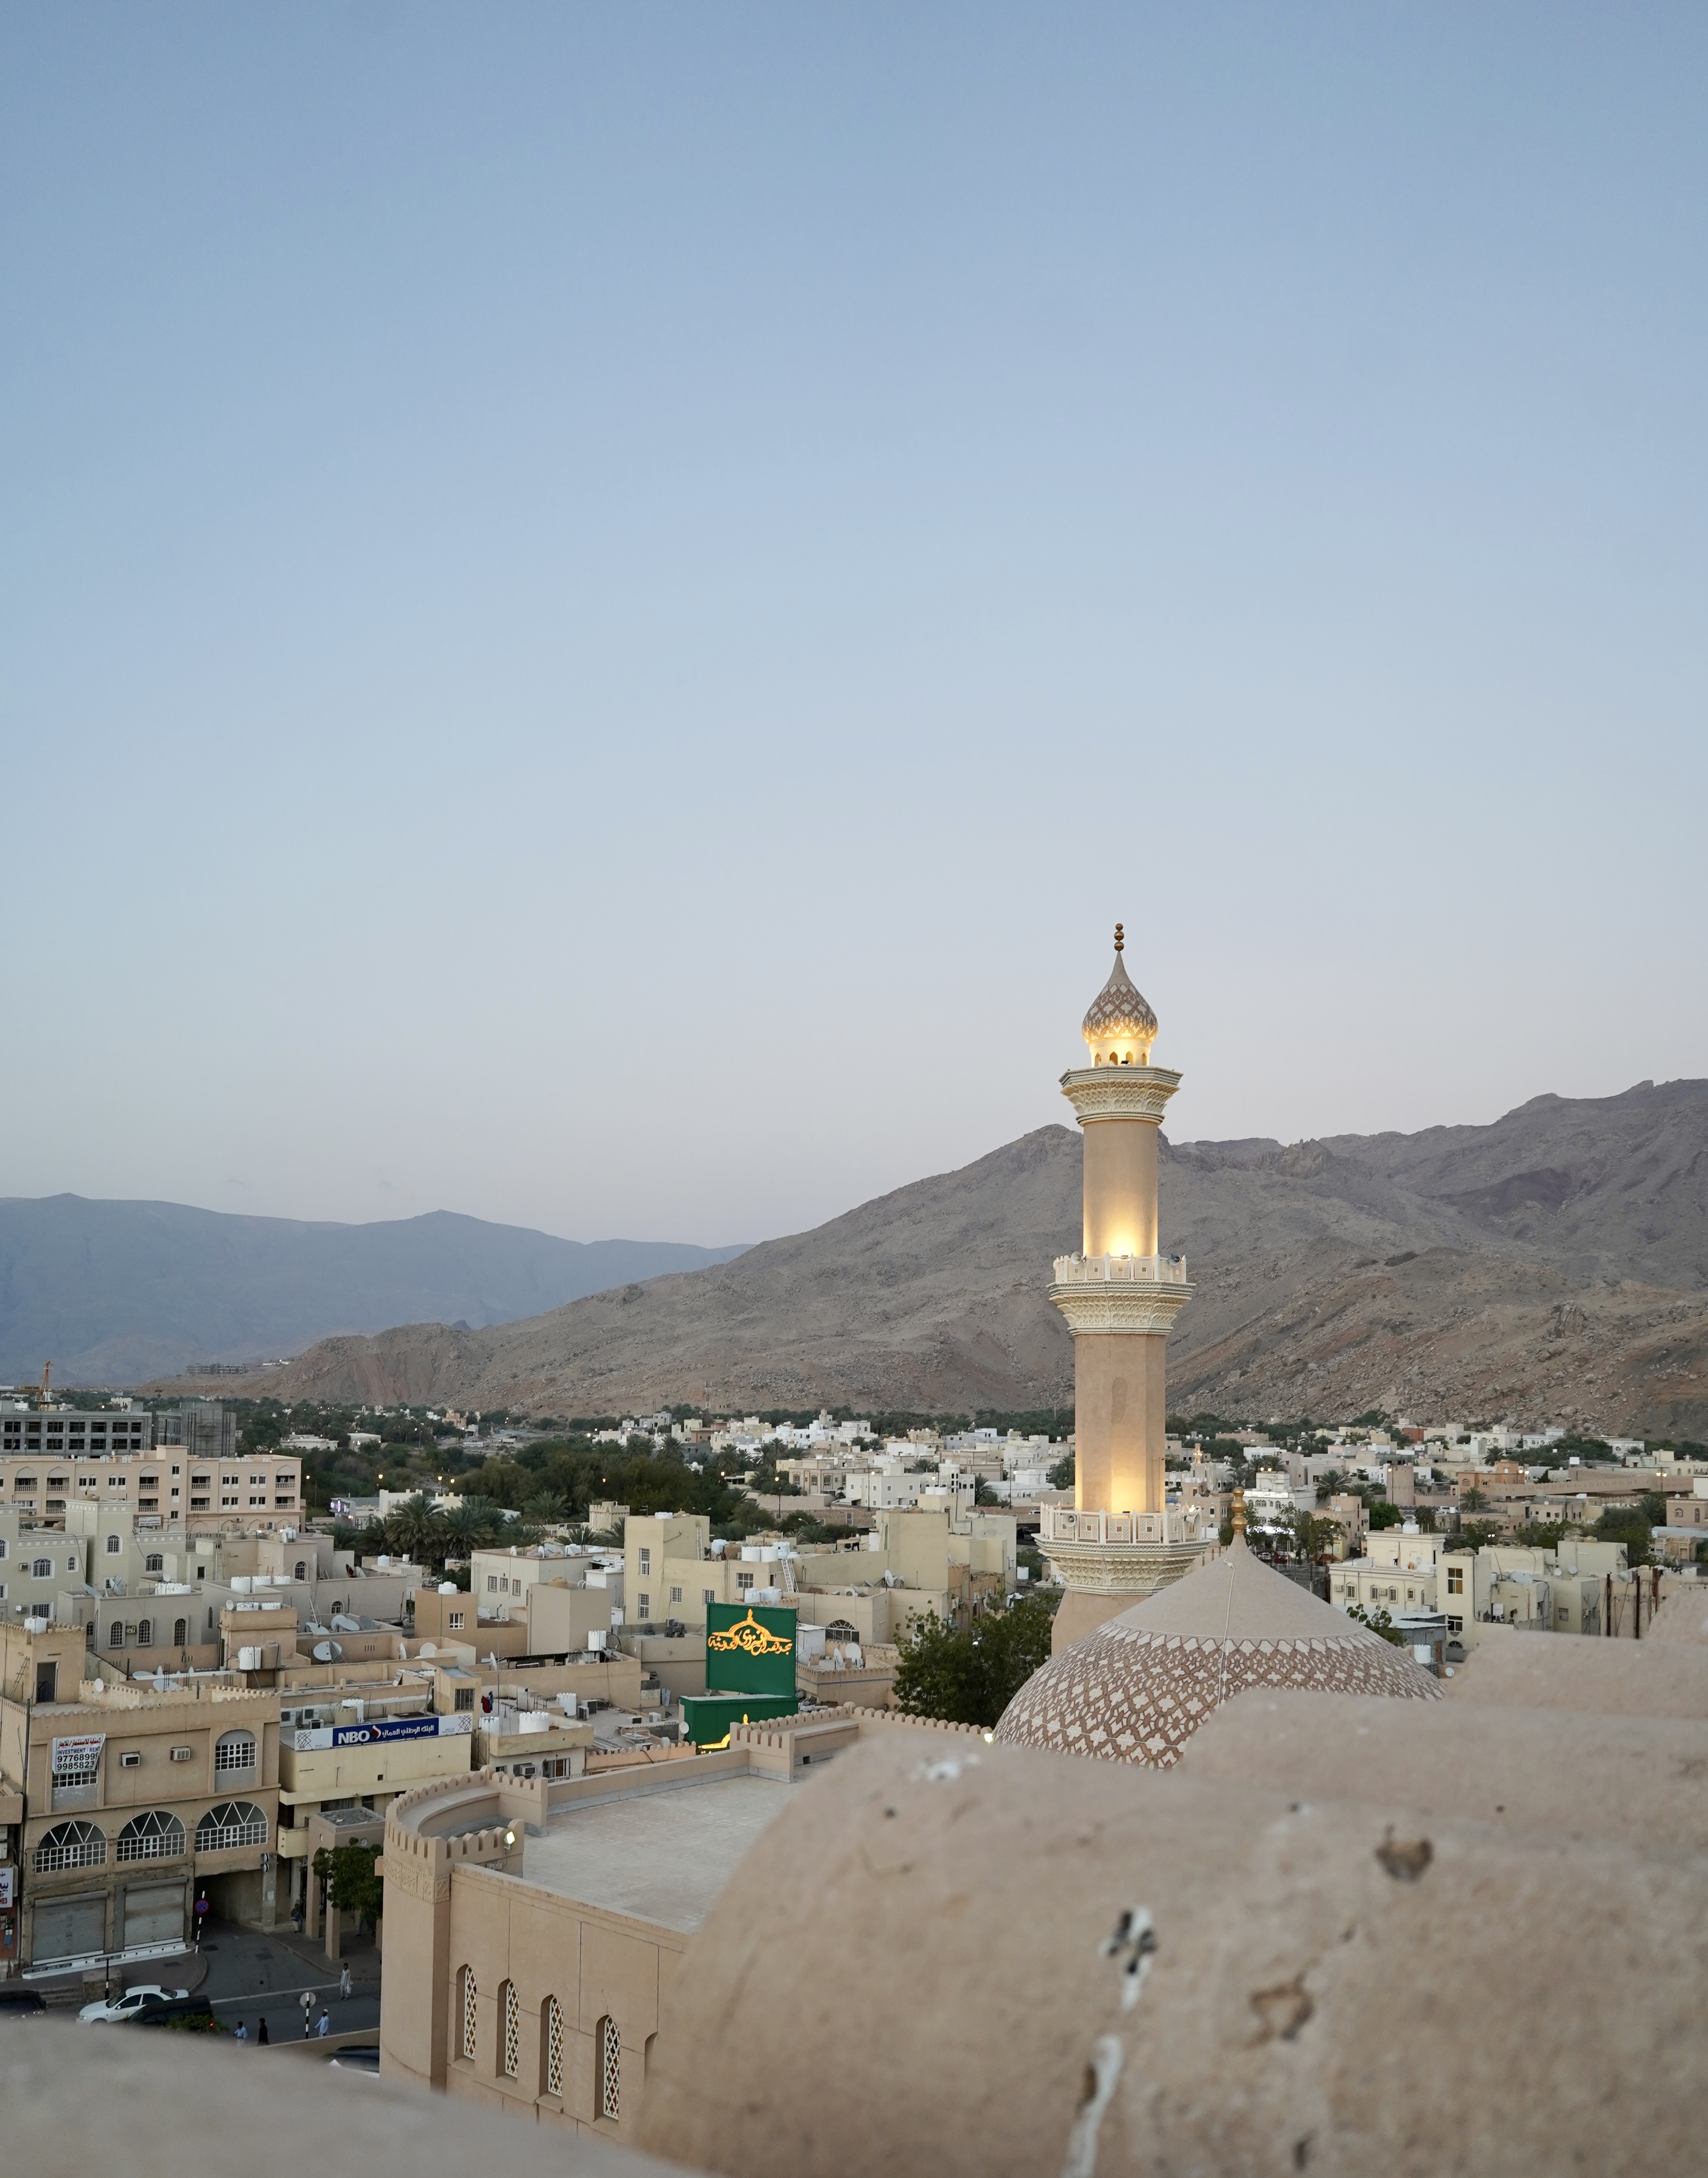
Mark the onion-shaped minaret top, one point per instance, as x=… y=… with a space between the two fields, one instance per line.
x=1120 y=1028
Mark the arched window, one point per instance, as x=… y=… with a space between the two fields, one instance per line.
x=180 y=1633
x=551 y=2050
x=144 y=1632
x=839 y=1629
x=301 y=1568
x=234 y=1750
x=470 y=2016
x=510 y=2055
x=154 y=1562
x=43 y=1569
x=226 y=1828
x=609 y=2069
x=114 y=1547
x=115 y=1634
x=155 y=1836
x=71 y=1845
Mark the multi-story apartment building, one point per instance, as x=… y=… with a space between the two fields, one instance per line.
x=73 y=1433
x=165 y=1484
x=133 y=1803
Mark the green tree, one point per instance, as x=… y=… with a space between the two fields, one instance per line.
x=1061 y=1475
x=1314 y=1538
x=969 y=1674
x=1378 y=1621
x=352 y=1884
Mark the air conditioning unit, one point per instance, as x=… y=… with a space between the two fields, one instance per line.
x=183 y=1753
x=132 y=1761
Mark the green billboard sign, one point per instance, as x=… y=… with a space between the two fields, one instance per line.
x=750 y=1648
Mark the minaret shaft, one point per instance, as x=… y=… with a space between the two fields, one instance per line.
x=1120 y=1421
x=1121 y=1187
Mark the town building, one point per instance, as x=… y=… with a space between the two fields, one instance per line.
x=165 y=1484
x=133 y=1801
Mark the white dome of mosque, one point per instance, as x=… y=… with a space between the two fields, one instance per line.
x=1119 y=1026
x=1138 y=1687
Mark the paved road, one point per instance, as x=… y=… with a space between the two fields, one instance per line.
x=252 y=1975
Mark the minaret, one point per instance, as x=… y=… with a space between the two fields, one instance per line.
x=1120 y=1298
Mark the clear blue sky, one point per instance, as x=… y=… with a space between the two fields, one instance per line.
x=601 y=608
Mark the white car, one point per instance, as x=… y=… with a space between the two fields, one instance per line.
x=109 y=2009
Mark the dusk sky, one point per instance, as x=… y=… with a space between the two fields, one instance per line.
x=602 y=608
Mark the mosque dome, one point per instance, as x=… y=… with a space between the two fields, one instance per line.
x=1119 y=1028
x=1138 y=1687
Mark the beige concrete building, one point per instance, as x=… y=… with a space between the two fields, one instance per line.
x=165 y=1484
x=533 y=1926
x=133 y=1802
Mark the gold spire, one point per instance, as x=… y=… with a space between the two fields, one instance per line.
x=1239 y=1512
x=1120 y=940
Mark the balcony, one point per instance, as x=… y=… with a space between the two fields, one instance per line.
x=1120 y=1271
x=1176 y=1523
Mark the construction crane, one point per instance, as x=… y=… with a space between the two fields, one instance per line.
x=41 y=1399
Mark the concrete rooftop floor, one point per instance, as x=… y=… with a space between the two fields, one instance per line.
x=662 y=1855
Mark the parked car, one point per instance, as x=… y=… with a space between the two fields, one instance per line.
x=107 y=2011
x=175 y=2011
x=21 y=2003
x=361 y=2059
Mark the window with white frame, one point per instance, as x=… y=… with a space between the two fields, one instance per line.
x=71 y=1845
x=155 y=1836
x=228 y=1827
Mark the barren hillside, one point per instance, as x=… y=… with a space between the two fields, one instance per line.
x=1551 y=1265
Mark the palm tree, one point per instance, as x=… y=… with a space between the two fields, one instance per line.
x=469 y=1526
x=416 y=1530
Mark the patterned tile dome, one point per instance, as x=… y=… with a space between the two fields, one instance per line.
x=1119 y=1016
x=1137 y=1689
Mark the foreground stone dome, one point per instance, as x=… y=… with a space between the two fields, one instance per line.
x=1137 y=1689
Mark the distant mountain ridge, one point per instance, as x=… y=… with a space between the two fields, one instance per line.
x=1552 y=1266
x=116 y=1292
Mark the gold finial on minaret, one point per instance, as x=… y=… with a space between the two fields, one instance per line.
x=1120 y=940
x=1239 y=1512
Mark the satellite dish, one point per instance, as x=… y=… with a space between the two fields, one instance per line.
x=427 y=1648
x=344 y=1623
x=365 y=1625
x=327 y=1652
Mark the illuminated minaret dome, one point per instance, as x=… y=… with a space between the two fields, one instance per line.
x=1120 y=1298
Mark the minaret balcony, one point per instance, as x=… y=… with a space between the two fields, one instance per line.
x=1175 y=1525
x=1122 y=1271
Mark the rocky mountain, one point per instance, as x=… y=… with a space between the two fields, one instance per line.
x=112 y=1291
x=1552 y=1266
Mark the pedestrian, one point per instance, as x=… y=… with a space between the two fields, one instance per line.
x=243 y=2032
x=325 y=2026
x=297 y=1916
x=261 y=2032
x=344 y=1980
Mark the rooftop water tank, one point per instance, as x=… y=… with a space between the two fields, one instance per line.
x=249 y=1660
